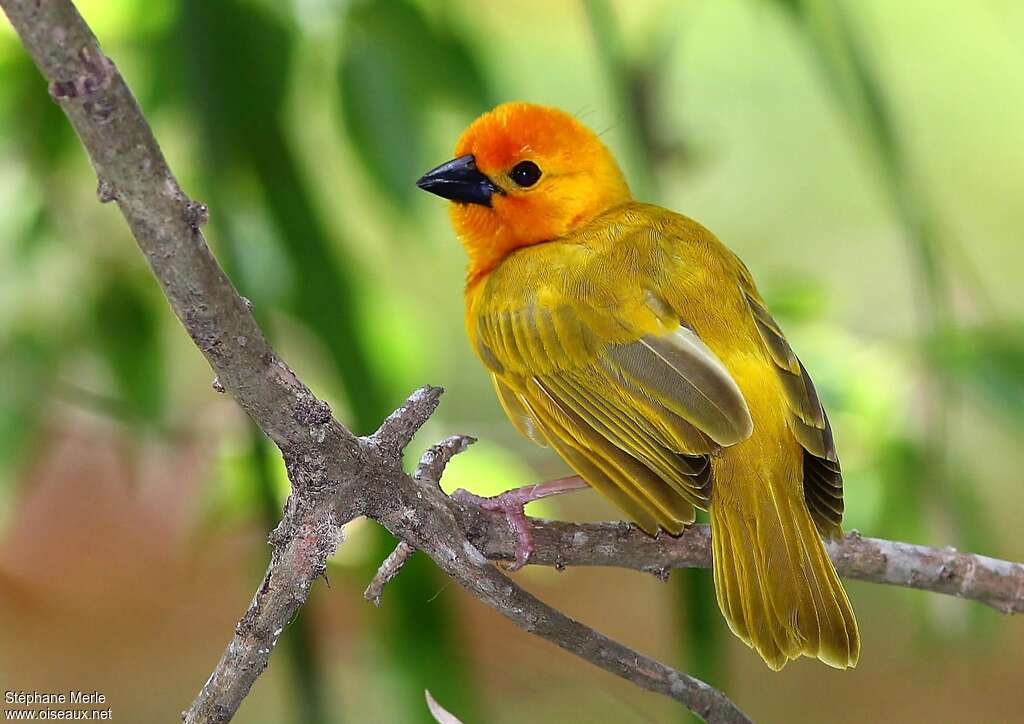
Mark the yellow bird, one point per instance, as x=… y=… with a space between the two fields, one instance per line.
x=632 y=342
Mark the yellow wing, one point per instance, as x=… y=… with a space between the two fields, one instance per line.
x=823 y=478
x=588 y=358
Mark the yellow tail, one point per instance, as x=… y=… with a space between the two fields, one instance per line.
x=776 y=585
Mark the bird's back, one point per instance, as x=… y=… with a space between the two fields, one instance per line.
x=635 y=269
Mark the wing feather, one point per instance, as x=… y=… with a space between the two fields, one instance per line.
x=641 y=417
x=680 y=371
x=516 y=409
x=622 y=477
x=823 y=478
x=688 y=475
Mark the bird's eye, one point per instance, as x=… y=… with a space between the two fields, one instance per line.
x=525 y=173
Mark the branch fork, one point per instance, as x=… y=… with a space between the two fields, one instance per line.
x=337 y=476
x=428 y=472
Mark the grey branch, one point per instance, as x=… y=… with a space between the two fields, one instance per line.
x=401 y=425
x=991 y=581
x=431 y=467
x=436 y=459
x=336 y=476
x=425 y=518
x=301 y=545
x=390 y=568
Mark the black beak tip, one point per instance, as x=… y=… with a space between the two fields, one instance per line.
x=459 y=180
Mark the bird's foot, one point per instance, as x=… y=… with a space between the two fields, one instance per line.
x=512 y=504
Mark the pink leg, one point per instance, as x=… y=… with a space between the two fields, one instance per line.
x=513 y=502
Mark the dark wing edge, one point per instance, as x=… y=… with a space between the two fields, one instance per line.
x=823 y=478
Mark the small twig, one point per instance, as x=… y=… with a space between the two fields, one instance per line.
x=387 y=571
x=401 y=425
x=435 y=459
x=428 y=471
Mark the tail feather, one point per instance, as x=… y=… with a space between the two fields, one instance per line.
x=777 y=587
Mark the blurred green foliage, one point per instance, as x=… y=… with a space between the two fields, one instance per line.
x=861 y=157
x=395 y=65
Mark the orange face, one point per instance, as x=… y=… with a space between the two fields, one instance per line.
x=524 y=174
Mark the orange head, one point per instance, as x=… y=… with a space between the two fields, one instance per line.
x=524 y=174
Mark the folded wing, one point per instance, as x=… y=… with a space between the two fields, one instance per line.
x=637 y=416
x=823 y=478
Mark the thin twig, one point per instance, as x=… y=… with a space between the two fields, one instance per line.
x=428 y=472
x=435 y=459
x=398 y=429
x=387 y=571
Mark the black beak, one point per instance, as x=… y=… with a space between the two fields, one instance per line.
x=459 y=180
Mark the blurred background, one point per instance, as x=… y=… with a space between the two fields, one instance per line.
x=866 y=160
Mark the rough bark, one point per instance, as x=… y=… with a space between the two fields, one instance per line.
x=335 y=476
x=994 y=582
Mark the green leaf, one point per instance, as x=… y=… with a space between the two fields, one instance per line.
x=126 y=321
x=226 y=72
x=27 y=362
x=394 y=67
x=989 y=360
x=240 y=76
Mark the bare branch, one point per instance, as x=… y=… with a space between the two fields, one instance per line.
x=431 y=466
x=336 y=476
x=301 y=546
x=424 y=517
x=991 y=581
x=401 y=425
x=997 y=583
x=387 y=571
x=436 y=459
